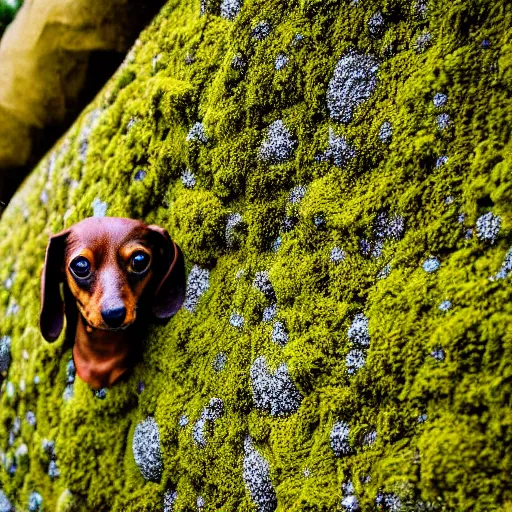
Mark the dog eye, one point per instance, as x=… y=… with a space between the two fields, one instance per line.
x=140 y=262
x=80 y=267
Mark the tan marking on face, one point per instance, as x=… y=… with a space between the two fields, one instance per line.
x=109 y=248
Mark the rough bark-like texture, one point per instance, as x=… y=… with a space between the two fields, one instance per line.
x=338 y=175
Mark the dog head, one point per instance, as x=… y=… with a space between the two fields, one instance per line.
x=108 y=265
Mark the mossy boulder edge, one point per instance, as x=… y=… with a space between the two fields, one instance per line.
x=338 y=176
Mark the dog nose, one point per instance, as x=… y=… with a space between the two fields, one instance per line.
x=114 y=317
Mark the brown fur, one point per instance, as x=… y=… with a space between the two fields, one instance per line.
x=102 y=353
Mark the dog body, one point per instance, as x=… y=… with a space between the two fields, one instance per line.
x=116 y=273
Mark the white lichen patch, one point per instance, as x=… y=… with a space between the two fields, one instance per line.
x=358 y=332
x=445 y=305
x=101 y=394
x=297 y=194
x=339 y=438
x=385 y=228
x=70 y=372
x=269 y=312
x=139 y=175
x=229 y=9
x=370 y=437
x=147 y=451
x=10 y=280
x=99 y=208
x=279 y=144
x=12 y=308
x=15 y=429
x=443 y=121
x=281 y=61
x=438 y=354
x=21 y=451
x=131 y=123
x=440 y=99
x=262 y=283
x=431 y=265
x=236 y=320
x=5 y=353
x=353 y=82
x=279 y=334
x=442 y=160
x=337 y=255
x=339 y=151
x=5 y=504
x=35 y=502
x=488 y=227
x=261 y=30
x=389 y=227
x=198 y=432
x=349 y=503
x=376 y=24
x=170 y=498
x=238 y=62
x=154 y=62
x=289 y=222
x=198 y=282
x=188 y=178
x=219 y=362
x=275 y=393
x=213 y=411
x=391 y=502
x=68 y=393
x=385 y=132
x=30 y=418
x=377 y=247
x=48 y=447
x=506 y=267
x=197 y=133
x=355 y=360
x=53 y=470
x=256 y=475
x=233 y=222
x=421 y=7
x=384 y=271
x=423 y=41
x=43 y=197
x=10 y=389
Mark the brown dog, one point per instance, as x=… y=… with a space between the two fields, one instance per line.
x=116 y=273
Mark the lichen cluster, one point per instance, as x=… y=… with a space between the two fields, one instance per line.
x=338 y=177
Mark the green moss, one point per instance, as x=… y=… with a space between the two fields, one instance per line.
x=433 y=383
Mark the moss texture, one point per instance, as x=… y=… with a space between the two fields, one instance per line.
x=338 y=175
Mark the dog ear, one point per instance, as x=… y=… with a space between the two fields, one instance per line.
x=170 y=291
x=51 y=318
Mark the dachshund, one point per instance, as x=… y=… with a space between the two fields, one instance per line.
x=116 y=274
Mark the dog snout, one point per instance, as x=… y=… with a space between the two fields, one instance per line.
x=114 y=317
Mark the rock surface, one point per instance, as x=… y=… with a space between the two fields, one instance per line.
x=319 y=250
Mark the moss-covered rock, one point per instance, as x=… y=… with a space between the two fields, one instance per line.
x=338 y=175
